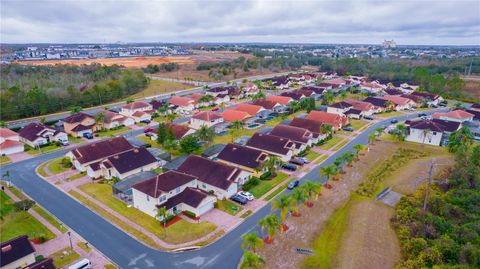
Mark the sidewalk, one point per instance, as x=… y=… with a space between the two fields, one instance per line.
x=62 y=240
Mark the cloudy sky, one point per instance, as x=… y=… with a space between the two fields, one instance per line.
x=455 y=22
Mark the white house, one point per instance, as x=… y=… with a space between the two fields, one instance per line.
x=205 y=118
x=9 y=142
x=37 y=134
x=113 y=120
x=339 y=108
x=129 y=109
x=455 y=115
x=273 y=145
x=433 y=132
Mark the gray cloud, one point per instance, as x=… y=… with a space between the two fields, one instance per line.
x=406 y=21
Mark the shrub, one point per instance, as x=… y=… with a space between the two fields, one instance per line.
x=189 y=214
x=254 y=181
x=39 y=258
x=265 y=176
x=40 y=238
x=211 y=192
x=23 y=205
x=167 y=219
x=66 y=163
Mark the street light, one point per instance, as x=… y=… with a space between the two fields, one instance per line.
x=70 y=239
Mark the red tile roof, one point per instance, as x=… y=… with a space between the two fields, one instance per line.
x=360 y=105
x=178 y=130
x=334 y=120
x=10 y=144
x=181 y=101
x=5 y=132
x=252 y=110
x=136 y=105
x=283 y=100
x=231 y=115
x=312 y=125
x=206 y=116
x=456 y=114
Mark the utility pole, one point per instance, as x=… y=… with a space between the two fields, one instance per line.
x=427 y=190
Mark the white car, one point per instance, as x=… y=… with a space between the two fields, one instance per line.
x=305 y=160
x=246 y=195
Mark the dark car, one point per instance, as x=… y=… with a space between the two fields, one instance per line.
x=422 y=115
x=394 y=121
x=292 y=185
x=289 y=167
x=368 y=117
x=88 y=135
x=297 y=161
x=239 y=199
x=146 y=121
x=148 y=130
x=348 y=129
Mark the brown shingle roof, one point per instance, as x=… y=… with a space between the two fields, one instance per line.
x=270 y=143
x=267 y=104
x=242 y=155
x=163 y=183
x=214 y=173
x=296 y=134
x=178 y=130
x=33 y=131
x=77 y=118
x=131 y=160
x=190 y=196
x=102 y=149
x=14 y=249
x=311 y=125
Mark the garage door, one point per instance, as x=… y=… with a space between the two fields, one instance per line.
x=204 y=208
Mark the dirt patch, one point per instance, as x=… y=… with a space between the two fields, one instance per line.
x=369 y=242
x=124 y=61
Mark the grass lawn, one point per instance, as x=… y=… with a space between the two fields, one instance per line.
x=246 y=214
x=337 y=147
x=155 y=144
x=227 y=206
x=113 y=132
x=42 y=150
x=60 y=259
x=41 y=169
x=85 y=247
x=156 y=87
x=266 y=185
x=48 y=217
x=56 y=167
x=13 y=224
x=321 y=159
x=276 y=192
x=228 y=138
x=326 y=245
x=110 y=266
x=175 y=234
x=331 y=142
x=390 y=114
x=312 y=155
x=75 y=140
x=357 y=124
x=76 y=176
x=4 y=160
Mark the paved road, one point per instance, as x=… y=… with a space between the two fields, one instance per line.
x=128 y=252
x=94 y=110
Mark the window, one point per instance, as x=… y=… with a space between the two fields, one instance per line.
x=148 y=198
x=163 y=198
x=177 y=190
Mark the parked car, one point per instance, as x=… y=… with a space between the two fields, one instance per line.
x=289 y=166
x=292 y=185
x=215 y=108
x=442 y=104
x=394 y=121
x=64 y=143
x=88 y=135
x=348 y=129
x=146 y=121
x=247 y=195
x=368 y=117
x=239 y=199
x=148 y=130
x=297 y=161
x=305 y=160
x=422 y=115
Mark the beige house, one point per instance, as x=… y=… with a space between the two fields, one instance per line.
x=129 y=109
x=78 y=124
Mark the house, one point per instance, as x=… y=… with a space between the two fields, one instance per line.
x=476 y=114
x=234 y=92
x=268 y=105
x=221 y=99
x=281 y=83
x=249 y=88
x=379 y=104
x=129 y=109
x=9 y=142
x=37 y=134
x=205 y=118
x=231 y=115
x=112 y=120
x=78 y=124
x=141 y=116
x=182 y=103
x=218 y=90
x=475 y=107
x=371 y=87
x=335 y=85
x=400 y=103
x=123 y=164
x=339 y=108
x=433 y=132
x=173 y=190
x=365 y=107
x=302 y=137
x=156 y=104
x=197 y=97
x=283 y=100
x=311 y=125
x=430 y=98
x=214 y=177
x=252 y=110
x=336 y=121
x=295 y=95
x=274 y=145
x=393 y=91
x=454 y=115
x=16 y=253
x=83 y=156
x=317 y=91
x=245 y=158
x=179 y=131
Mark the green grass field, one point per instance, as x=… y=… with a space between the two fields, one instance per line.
x=56 y=167
x=266 y=185
x=13 y=224
x=312 y=155
x=156 y=87
x=357 y=124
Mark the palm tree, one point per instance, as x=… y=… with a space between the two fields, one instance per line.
x=235 y=128
x=339 y=164
x=251 y=261
x=129 y=100
x=379 y=131
x=252 y=242
x=271 y=223
x=389 y=104
x=358 y=148
x=343 y=95
x=461 y=137
x=100 y=118
x=298 y=196
x=259 y=95
x=284 y=203
x=162 y=109
x=294 y=106
x=271 y=163
x=205 y=134
x=328 y=171
x=162 y=213
x=371 y=138
x=348 y=157
x=312 y=190
x=400 y=132
x=170 y=117
x=328 y=97
x=326 y=129
x=207 y=98
x=3 y=124
x=75 y=109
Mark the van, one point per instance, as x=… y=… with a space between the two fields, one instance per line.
x=83 y=264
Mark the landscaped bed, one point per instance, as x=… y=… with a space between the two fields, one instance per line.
x=180 y=232
x=267 y=185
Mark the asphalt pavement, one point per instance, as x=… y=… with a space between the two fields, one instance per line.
x=126 y=251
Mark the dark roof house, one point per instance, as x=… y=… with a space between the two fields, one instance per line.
x=15 y=249
x=271 y=143
x=95 y=151
x=243 y=156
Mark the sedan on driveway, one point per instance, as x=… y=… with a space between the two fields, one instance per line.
x=239 y=199
x=246 y=195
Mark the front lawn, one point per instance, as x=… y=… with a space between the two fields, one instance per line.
x=225 y=139
x=331 y=142
x=390 y=114
x=312 y=155
x=13 y=224
x=179 y=232
x=42 y=150
x=52 y=220
x=112 y=132
x=56 y=166
x=341 y=144
x=357 y=124
x=229 y=207
x=64 y=257
x=76 y=176
x=267 y=185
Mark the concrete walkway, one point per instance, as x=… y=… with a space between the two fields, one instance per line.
x=62 y=240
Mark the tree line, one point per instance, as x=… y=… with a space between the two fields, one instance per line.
x=28 y=91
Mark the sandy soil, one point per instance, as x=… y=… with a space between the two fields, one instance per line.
x=304 y=230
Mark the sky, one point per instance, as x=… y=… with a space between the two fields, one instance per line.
x=408 y=22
